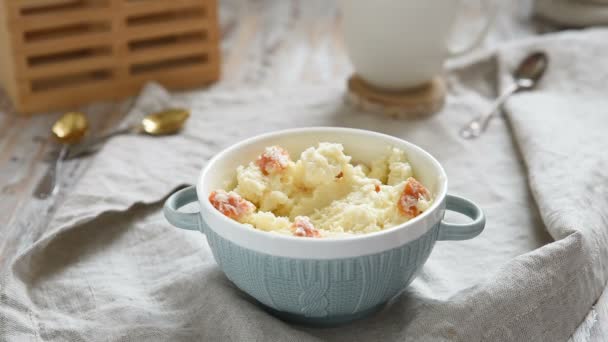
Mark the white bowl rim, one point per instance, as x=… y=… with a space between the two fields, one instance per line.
x=327 y=242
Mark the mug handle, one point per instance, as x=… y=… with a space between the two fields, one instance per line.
x=462 y=231
x=490 y=9
x=188 y=221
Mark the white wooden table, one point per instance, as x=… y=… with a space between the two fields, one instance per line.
x=264 y=42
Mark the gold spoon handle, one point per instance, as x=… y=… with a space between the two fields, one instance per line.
x=90 y=145
x=49 y=184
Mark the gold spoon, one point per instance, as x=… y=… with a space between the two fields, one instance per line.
x=166 y=122
x=68 y=130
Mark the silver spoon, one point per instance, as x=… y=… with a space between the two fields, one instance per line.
x=526 y=76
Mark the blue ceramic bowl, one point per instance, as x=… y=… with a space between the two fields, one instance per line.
x=331 y=280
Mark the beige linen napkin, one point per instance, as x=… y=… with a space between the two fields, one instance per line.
x=110 y=268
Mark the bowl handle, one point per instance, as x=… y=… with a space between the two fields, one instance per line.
x=188 y=221
x=462 y=231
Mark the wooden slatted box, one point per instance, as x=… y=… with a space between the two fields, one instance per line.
x=56 y=54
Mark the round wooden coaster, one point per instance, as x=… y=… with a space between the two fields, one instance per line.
x=424 y=100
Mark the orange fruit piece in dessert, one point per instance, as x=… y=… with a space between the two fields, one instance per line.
x=412 y=193
x=231 y=204
x=274 y=159
x=302 y=226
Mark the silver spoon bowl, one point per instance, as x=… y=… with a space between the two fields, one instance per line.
x=526 y=77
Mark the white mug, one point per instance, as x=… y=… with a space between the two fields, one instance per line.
x=400 y=44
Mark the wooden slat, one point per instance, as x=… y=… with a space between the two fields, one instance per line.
x=42 y=6
x=67 y=17
x=178 y=78
x=37 y=3
x=65 y=81
x=68 y=97
x=71 y=66
x=130 y=8
x=63 y=44
x=161 y=29
x=168 y=51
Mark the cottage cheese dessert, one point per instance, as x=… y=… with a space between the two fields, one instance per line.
x=323 y=194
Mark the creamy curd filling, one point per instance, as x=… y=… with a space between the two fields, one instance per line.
x=323 y=193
